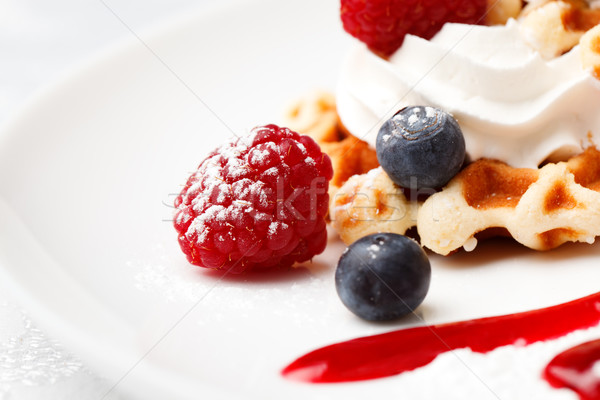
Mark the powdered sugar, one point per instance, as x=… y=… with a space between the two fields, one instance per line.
x=374 y=247
x=373 y=250
x=509 y=372
x=272 y=173
x=371 y=176
x=237 y=212
x=275 y=227
x=430 y=112
x=223 y=193
x=261 y=195
x=596 y=369
x=412 y=120
x=414 y=117
x=302 y=147
x=272 y=228
x=198 y=225
x=31 y=364
x=262 y=152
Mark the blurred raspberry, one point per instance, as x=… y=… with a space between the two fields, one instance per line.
x=382 y=24
x=256 y=202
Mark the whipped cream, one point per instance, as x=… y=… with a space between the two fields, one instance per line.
x=511 y=104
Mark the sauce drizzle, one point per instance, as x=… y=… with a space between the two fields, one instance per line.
x=399 y=351
x=574 y=369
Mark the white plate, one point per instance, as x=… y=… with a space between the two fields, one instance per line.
x=88 y=173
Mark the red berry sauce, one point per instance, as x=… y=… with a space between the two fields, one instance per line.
x=405 y=350
x=573 y=369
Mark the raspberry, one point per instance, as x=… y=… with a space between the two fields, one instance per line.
x=382 y=24
x=256 y=202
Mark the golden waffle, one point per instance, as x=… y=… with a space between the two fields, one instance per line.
x=540 y=208
x=554 y=27
x=315 y=115
x=590 y=51
x=371 y=203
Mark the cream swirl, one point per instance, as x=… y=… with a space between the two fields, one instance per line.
x=511 y=104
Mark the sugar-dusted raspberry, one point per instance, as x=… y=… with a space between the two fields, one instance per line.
x=382 y=24
x=256 y=202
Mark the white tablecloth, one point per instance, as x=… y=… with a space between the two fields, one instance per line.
x=41 y=41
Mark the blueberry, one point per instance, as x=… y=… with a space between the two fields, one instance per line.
x=383 y=276
x=420 y=147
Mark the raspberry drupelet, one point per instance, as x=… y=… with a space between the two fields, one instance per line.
x=256 y=202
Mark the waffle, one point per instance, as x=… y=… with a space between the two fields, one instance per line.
x=315 y=115
x=540 y=208
x=590 y=51
x=371 y=203
x=555 y=27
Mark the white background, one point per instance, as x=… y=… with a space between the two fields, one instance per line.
x=40 y=42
